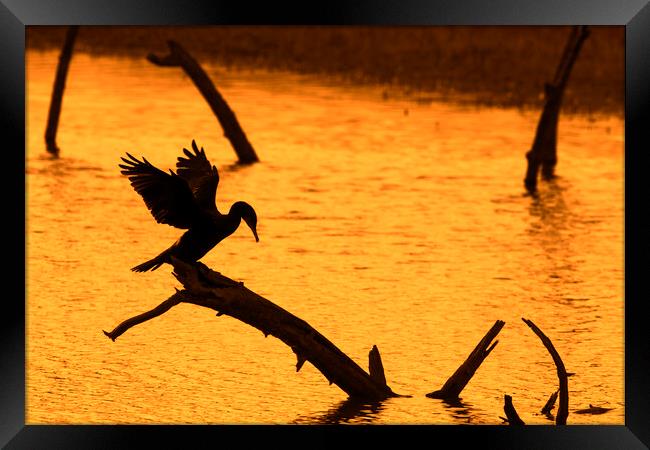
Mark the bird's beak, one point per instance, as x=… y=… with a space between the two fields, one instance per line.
x=252 y=226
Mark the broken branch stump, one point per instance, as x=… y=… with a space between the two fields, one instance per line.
x=179 y=57
x=375 y=367
x=563 y=407
x=511 y=413
x=544 y=150
x=57 y=90
x=457 y=382
x=207 y=288
x=550 y=403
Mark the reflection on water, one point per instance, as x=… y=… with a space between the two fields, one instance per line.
x=347 y=411
x=459 y=410
x=406 y=231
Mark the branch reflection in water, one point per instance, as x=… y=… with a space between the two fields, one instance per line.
x=460 y=411
x=347 y=411
x=553 y=233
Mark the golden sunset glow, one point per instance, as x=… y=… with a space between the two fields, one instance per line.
x=391 y=211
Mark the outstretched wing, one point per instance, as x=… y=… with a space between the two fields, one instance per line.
x=167 y=195
x=202 y=177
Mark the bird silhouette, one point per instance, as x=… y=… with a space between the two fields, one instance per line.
x=186 y=200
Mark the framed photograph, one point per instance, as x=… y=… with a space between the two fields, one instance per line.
x=422 y=217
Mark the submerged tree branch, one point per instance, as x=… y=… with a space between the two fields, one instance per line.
x=179 y=57
x=550 y=403
x=207 y=288
x=57 y=90
x=457 y=382
x=563 y=407
x=511 y=413
x=544 y=149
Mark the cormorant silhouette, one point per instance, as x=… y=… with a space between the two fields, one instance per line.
x=186 y=200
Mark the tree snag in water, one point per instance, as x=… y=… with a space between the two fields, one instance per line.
x=457 y=382
x=207 y=288
x=375 y=367
x=179 y=57
x=57 y=91
x=563 y=407
x=511 y=413
x=544 y=149
x=550 y=403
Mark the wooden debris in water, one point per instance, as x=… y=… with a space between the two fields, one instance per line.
x=511 y=413
x=207 y=288
x=544 y=149
x=57 y=91
x=563 y=407
x=550 y=404
x=457 y=382
x=179 y=57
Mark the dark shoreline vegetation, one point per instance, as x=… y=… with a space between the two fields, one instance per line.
x=484 y=66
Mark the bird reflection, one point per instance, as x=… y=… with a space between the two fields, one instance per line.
x=350 y=410
x=186 y=200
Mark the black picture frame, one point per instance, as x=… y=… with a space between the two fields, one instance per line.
x=15 y=15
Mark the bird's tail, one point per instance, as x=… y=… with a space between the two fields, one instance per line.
x=152 y=264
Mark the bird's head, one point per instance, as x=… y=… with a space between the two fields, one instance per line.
x=246 y=212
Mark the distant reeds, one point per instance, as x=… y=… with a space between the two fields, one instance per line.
x=500 y=66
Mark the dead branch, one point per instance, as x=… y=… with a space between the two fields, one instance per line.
x=57 y=91
x=207 y=288
x=511 y=413
x=563 y=407
x=457 y=382
x=544 y=149
x=561 y=67
x=593 y=410
x=550 y=403
x=179 y=57
x=133 y=321
x=375 y=367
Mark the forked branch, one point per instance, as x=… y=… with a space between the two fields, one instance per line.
x=457 y=382
x=207 y=288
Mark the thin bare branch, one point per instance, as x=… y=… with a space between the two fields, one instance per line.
x=157 y=311
x=563 y=407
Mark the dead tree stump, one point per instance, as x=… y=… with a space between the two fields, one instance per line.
x=511 y=413
x=544 y=150
x=457 y=382
x=179 y=57
x=550 y=403
x=207 y=288
x=57 y=90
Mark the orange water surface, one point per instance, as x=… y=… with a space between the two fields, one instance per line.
x=382 y=222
